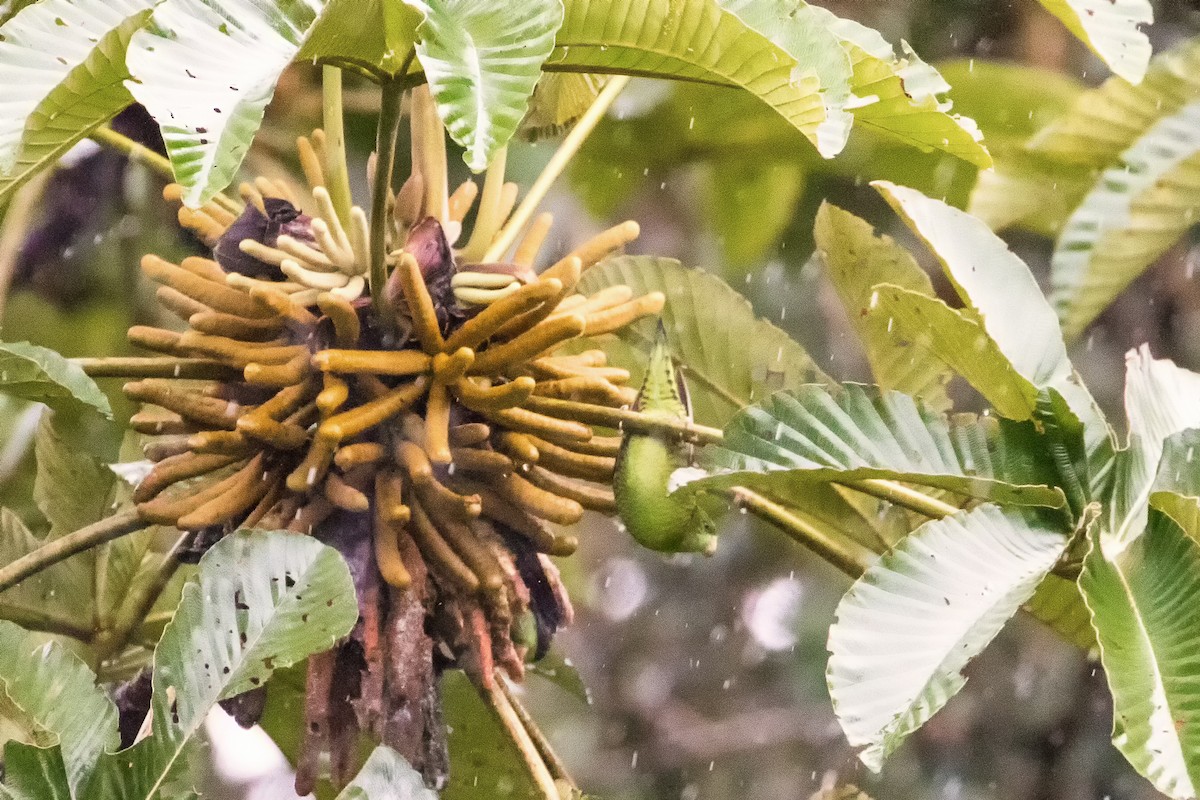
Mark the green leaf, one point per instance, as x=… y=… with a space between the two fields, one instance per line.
x=728 y=365
x=994 y=284
x=1110 y=29
x=1136 y=210
x=1176 y=489
x=374 y=37
x=928 y=327
x=484 y=761
x=34 y=773
x=1140 y=598
x=559 y=100
x=1107 y=120
x=1160 y=399
x=857 y=433
x=38 y=373
x=387 y=776
x=750 y=204
x=72 y=488
x=206 y=72
x=856 y=260
x=62 y=66
x=899 y=97
x=261 y=601
x=482 y=59
x=57 y=692
x=562 y=673
x=804 y=33
x=909 y=625
x=1058 y=603
x=691 y=40
x=58 y=598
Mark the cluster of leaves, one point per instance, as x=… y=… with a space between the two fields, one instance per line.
x=1114 y=176
x=206 y=71
x=1044 y=506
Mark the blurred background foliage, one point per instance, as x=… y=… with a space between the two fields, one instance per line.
x=704 y=677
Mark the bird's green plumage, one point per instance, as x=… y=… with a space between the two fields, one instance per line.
x=646 y=461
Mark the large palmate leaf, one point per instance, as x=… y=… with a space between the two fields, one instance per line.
x=386 y=776
x=52 y=690
x=37 y=373
x=900 y=96
x=62 y=66
x=262 y=600
x=692 y=40
x=482 y=59
x=741 y=360
x=856 y=260
x=1137 y=209
x=206 y=73
x=856 y=433
x=909 y=625
x=72 y=489
x=804 y=33
x=1160 y=399
x=34 y=773
x=1141 y=599
x=1110 y=29
x=994 y=284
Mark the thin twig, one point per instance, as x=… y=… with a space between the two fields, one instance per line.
x=558 y=770
x=558 y=162
x=497 y=701
x=64 y=547
x=44 y=621
x=137 y=604
x=901 y=495
x=337 y=176
x=164 y=367
x=850 y=557
x=385 y=160
x=18 y=220
x=106 y=136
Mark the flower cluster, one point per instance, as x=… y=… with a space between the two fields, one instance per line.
x=435 y=441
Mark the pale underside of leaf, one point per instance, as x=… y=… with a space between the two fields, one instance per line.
x=62 y=65
x=263 y=600
x=803 y=32
x=206 y=74
x=558 y=100
x=1141 y=599
x=1110 y=29
x=1135 y=211
x=906 y=629
x=856 y=260
x=57 y=692
x=1160 y=399
x=482 y=61
x=387 y=776
x=726 y=366
x=814 y=435
x=1107 y=120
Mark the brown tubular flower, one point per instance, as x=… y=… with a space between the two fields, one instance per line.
x=423 y=444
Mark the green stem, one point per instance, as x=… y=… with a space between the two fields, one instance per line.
x=337 y=176
x=165 y=367
x=851 y=558
x=64 y=547
x=137 y=604
x=385 y=161
x=44 y=621
x=903 y=496
x=623 y=419
x=558 y=770
x=497 y=701
x=558 y=162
